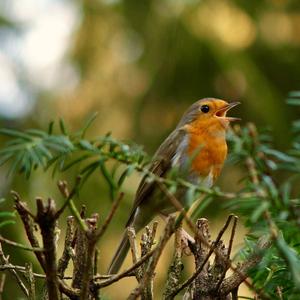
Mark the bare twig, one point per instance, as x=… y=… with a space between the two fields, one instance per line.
x=234 y=293
x=252 y=170
x=79 y=261
x=26 y=218
x=108 y=219
x=182 y=211
x=46 y=218
x=96 y=292
x=72 y=293
x=176 y=267
x=100 y=276
x=63 y=188
x=20 y=269
x=4 y=261
x=146 y=245
x=128 y=272
x=90 y=256
x=201 y=253
x=148 y=238
x=169 y=230
x=31 y=281
x=235 y=219
x=18 y=245
x=2 y=283
x=17 y=197
x=133 y=244
x=279 y=292
x=238 y=277
x=64 y=260
x=199 y=269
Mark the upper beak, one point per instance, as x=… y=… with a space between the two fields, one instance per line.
x=221 y=113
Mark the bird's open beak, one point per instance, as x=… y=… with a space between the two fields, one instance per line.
x=221 y=113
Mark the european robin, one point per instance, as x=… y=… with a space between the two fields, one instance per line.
x=201 y=130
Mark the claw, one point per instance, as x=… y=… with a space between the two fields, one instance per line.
x=186 y=239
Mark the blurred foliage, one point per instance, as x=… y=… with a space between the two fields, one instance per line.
x=165 y=54
x=6 y=217
x=274 y=208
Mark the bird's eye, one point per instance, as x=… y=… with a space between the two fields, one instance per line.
x=205 y=108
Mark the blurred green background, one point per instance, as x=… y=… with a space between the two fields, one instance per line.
x=140 y=63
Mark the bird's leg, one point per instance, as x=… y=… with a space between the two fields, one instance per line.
x=163 y=216
x=186 y=239
x=184 y=236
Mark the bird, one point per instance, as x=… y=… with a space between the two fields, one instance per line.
x=197 y=148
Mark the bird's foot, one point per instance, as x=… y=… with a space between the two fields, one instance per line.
x=186 y=240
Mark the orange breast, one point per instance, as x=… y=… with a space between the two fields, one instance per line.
x=210 y=149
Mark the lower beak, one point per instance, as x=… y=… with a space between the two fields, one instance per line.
x=221 y=113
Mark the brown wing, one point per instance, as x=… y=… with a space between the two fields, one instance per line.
x=161 y=163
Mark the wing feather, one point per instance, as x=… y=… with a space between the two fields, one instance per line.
x=161 y=164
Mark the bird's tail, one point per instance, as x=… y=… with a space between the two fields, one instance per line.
x=120 y=255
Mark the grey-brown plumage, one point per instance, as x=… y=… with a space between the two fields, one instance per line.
x=174 y=151
x=142 y=213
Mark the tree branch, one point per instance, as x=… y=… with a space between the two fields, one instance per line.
x=46 y=218
x=4 y=261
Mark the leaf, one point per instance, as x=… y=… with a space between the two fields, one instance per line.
x=36 y=132
x=86 y=168
x=259 y=211
x=44 y=151
x=16 y=163
x=294 y=94
x=36 y=158
x=26 y=165
x=88 y=123
x=172 y=190
x=4 y=158
x=61 y=162
x=54 y=146
x=13 y=149
x=15 y=133
x=7 y=222
x=128 y=171
x=52 y=161
x=286 y=191
x=75 y=161
x=280 y=155
x=112 y=186
x=7 y=214
x=271 y=186
x=16 y=141
x=50 y=127
x=190 y=195
x=293 y=101
x=114 y=169
x=271 y=164
x=86 y=145
x=62 y=141
x=200 y=207
x=291 y=257
x=62 y=127
x=87 y=172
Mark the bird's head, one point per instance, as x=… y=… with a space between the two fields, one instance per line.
x=209 y=114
